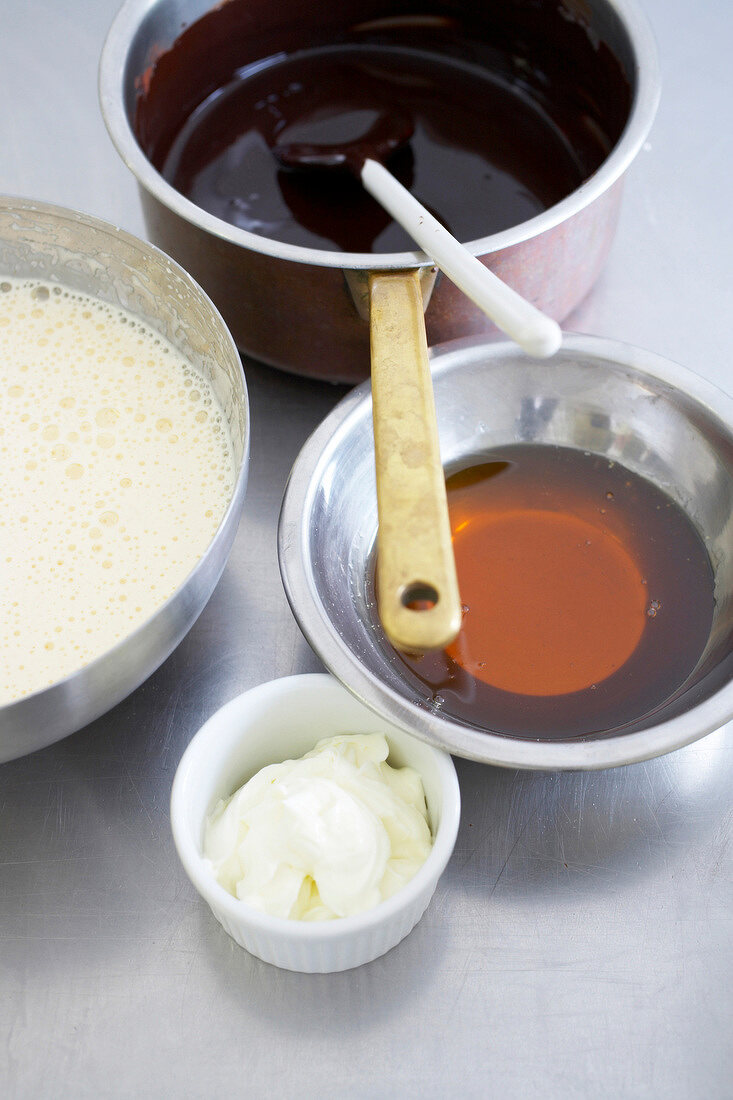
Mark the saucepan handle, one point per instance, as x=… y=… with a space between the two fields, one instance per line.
x=417 y=587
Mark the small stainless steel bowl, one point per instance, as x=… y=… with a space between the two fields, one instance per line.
x=656 y=418
x=55 y=245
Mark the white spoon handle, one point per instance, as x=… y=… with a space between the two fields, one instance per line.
x=536 y=333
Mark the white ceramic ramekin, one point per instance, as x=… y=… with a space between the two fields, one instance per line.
x=281 y=720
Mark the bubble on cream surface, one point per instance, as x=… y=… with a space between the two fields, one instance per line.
x=329 y=835
x=103 y=512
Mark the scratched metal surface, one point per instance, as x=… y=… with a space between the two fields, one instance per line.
x=579 y=942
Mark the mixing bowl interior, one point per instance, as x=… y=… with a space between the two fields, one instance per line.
x=56 y=246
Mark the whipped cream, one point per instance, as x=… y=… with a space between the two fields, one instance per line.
x=325 y=836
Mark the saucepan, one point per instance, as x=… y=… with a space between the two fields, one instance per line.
x=306 y=310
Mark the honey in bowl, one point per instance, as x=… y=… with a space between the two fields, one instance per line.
x=588 y=596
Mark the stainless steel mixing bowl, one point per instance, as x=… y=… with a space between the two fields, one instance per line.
x=656 y=418
x=62 y=246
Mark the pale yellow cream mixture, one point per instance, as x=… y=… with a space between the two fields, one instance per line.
x=116 y=468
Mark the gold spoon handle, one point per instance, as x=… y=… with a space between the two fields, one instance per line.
x=417 y=588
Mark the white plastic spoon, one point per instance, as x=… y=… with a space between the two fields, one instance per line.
x=536 y=333
x=363 y=157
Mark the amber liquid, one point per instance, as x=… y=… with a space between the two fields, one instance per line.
x=588 y=596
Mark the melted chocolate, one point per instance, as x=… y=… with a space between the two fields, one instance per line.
x=506 y=121
x=502 y=165
x=375 y=140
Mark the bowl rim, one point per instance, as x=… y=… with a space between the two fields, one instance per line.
x=452 y=736
x=217 y=739
x=53 y=695
x=111 y=92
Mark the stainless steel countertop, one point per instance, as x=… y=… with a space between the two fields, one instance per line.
x=579 y=943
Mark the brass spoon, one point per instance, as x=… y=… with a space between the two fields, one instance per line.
x=417 y=588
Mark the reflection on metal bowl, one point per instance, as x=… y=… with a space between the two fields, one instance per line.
x=653 y=417
x=303 y=308
x=66 y=248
